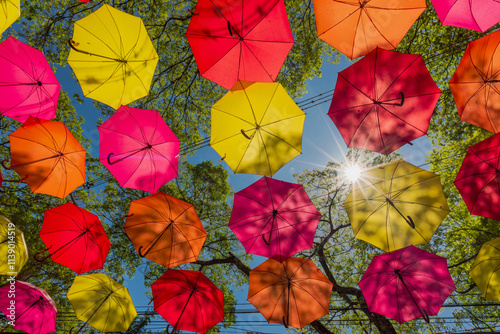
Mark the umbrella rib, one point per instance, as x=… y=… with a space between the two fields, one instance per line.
x=100 y=40
x=356 y=6
x=235 y=116
x=487 y=183
x=399 y=75
x=261 y=18
x=122 y=133
x=371 y=214
x=257 y=59
x=487 y=90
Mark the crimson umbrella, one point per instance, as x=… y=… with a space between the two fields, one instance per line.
x=188 y=300
x=274 y=218
x=406 y=284
x=478 y=15
x=28 y=86
x=74 y=238
x=241 y=40
x=384 y=101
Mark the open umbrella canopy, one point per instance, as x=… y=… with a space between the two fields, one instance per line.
x=139 y=149
x=356 y=27
x=485 y=270
x=165 y=229
x=476 y=83
x=74 y=238
x=240 y=40
x=478 y=15
x=293 y=293
x=274 y=218
x=47 y=157
x=406 y=284
x=9 y=12
x=383 y=101
x=13 y=247
x=34 y=311
x=256 y=128
x=396 y=205
x=112 y=56
x=188 y=300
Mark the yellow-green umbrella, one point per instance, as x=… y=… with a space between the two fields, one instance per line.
x=9 y=12
x=396 y=205
x=102 y=302
x=257 y=128
x=12 y=247
x=485 y=270
x=112 y=56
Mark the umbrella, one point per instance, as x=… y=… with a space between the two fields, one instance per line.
x=74 y=238
x=188 y=300
x=112 y=56
x=478 y=179
x=33 y=311
x=257 y=128
x=165 y=229
x=485 y=272
x=406 y=284
x=384 y=101
x=28 y=86
x=396 y=205
x=273 y=218
x=475 y=85
x=240 y=40
x=102 y=303
x=47 y=157
x=356 y=27
x=9 y=12
x=478 y=15
x=294 y=292
x=139 y=149
x=13 y=247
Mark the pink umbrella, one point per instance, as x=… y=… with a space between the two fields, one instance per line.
x=28 y=86
x=139 y=149
x=273 y=218
x=406 y=284
x=478 y=15
x=33 y=311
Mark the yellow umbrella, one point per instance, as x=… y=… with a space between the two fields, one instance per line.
x=396 y=205
x=101 y=302
x=9 y=12
x=485 y=272
x=257 y=128
x=112 y=56
x=12 y=247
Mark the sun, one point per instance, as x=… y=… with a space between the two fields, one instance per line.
x=353 y=172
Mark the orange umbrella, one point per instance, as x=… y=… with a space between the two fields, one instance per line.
x=356 y=27
x=165 y=229
x=293 y=293
x=47 y=157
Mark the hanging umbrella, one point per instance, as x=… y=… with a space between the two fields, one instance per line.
x=9 y=12
x=188 y=300
x=396 y=205
x=243 y=40
x=102 y=303
x=257 y=128
x=475 y=85
x=485 y=272
x=47 y=157
x=478 y=15
x=274 y=218
x=165 y=229
x=294 y=292
x=356 y=27
x=407 y=284
x=478 y=179
x=112 y=56
x=139 y=149
x=28 y=86
x=34 y=311
x=13 y=247
x=74 y=238
x=384 y=101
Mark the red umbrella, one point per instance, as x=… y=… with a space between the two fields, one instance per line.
x=243 y=40
x=383 y=101
x=406 y=284
x=479 y=15
x=478 y=179
x=74 y=238
x=273 y=218
x=188 y=300
x=139 y=149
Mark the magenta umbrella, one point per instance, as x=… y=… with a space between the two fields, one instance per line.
x=478 y=15
x=406 y=284
x=139 y=149
x=274 y=218
x=28 y=86
x=34 y=311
